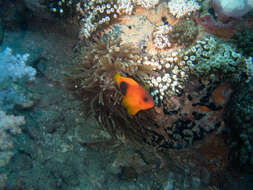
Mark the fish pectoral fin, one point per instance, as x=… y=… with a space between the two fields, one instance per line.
x=131 y=109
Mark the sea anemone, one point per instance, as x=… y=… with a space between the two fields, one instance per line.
x=92 y=81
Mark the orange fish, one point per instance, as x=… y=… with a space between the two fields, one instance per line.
x=135 y=98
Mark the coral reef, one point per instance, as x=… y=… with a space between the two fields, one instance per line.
x=190 y=86
x=146 y=3
x=211 y=56
x=182 y=8
x=127 y=6
x=190 y=74
x=190 y=116
x=176 y=123
x=160 y=36
x=96 y=14
x=170 y=77
x=184 y=33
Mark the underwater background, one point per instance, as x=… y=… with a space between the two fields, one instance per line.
x=126 y=94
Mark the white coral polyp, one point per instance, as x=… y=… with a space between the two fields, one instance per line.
x=180 y=8
x=160 y=36
x=146 y=3
x=127 y=6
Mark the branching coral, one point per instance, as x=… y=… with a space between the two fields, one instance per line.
x=92 y=80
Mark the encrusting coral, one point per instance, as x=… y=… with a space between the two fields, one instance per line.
x=211 y=56
x=184 y=33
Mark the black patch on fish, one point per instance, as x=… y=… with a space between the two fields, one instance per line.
x=123 y=88
x=145 y=98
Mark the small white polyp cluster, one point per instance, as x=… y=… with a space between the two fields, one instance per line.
x=180 y=8
x=146 y=3
x=127 y=6
x=152 y=61
x=211 y=55
x=95 y=13
x=171 y=75
x=160 y=36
